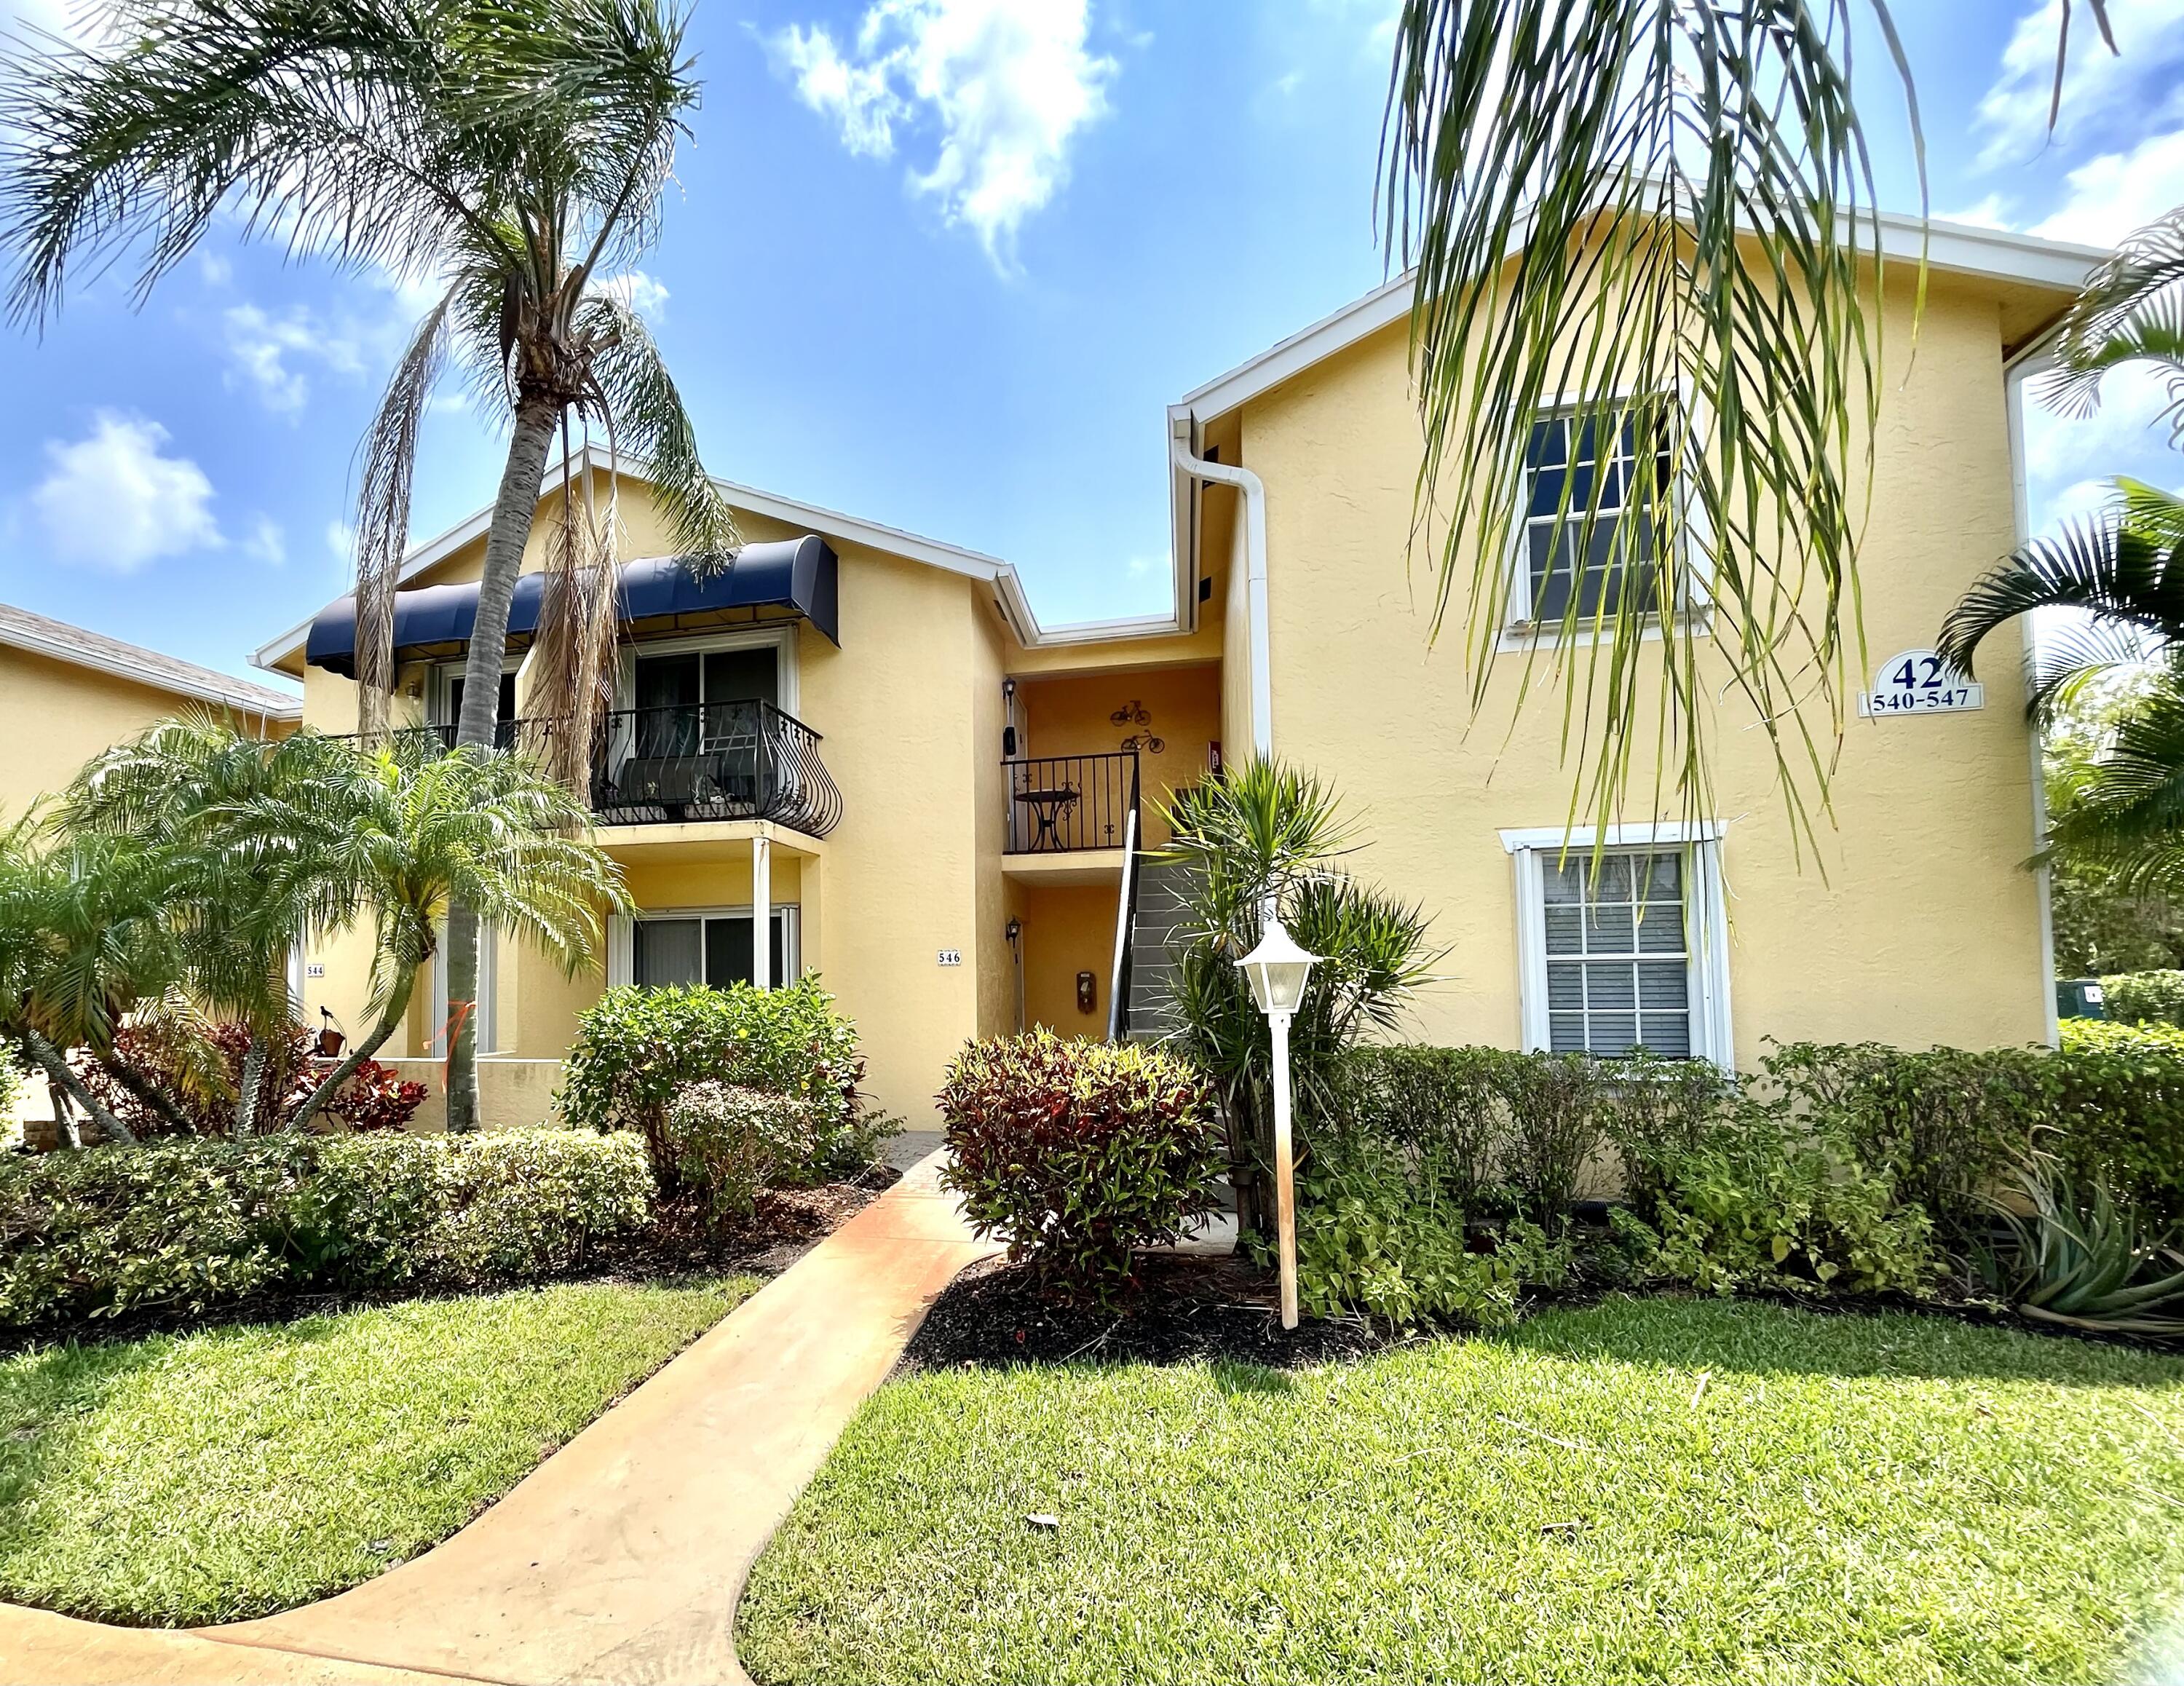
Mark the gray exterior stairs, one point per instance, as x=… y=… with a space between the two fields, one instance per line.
x=1150 y=1015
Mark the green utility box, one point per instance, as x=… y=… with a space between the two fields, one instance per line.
x=2079 y=998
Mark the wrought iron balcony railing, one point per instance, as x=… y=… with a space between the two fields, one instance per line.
x=1060 y=803
x=745 y=760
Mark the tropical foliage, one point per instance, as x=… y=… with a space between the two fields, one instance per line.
x=1079 y=1153
x=1568 y=238
x=1260 y=836
x=512 y=152
x=2117 y=661
x=2076 y=1258
x=184 y=864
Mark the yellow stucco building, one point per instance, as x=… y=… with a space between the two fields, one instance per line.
x=67 y=693
x=864 y=744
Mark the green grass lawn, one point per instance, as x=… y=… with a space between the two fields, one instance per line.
x=187 y=1479
x=1649 y=1490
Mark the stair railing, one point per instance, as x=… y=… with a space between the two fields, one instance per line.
x=1126 y=920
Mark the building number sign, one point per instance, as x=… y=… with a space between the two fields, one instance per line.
x=951 y=957
x=1920 y=682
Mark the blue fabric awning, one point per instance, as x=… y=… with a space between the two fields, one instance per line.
x=796 y=575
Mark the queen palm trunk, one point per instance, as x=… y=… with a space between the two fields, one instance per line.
x=520 y=482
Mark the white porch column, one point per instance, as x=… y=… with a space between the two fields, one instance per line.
x=762 y=912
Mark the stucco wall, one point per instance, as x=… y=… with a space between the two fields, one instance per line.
x=55 y=715
x=1068 y=929
x=1914 y=922
x=1070 y=716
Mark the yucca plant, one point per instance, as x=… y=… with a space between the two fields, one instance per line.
x=1261 y=835
x=2082 y=1262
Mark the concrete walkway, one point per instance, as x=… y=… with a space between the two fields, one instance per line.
x=620 y=1558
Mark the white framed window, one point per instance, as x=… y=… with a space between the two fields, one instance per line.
x=1598 y=491
x=1622 y=941
x=712 y=946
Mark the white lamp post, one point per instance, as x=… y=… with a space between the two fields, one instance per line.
x=1278 y=969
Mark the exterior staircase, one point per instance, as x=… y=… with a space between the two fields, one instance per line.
x=1149 y=1013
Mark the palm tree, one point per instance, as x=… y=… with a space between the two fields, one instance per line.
x=409 y=832
x=1670 y=200
x=1259 y=836
x=514 y=150
x=85 y=940
x=175 y=789
x=2122 y=576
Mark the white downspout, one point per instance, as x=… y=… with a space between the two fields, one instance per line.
x=2013 y=378
x=1254 y=577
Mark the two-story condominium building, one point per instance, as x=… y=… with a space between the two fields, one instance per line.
x=859 y=751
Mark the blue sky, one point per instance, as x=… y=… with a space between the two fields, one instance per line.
x=940 y=264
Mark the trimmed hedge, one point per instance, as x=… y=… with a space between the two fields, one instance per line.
x=1500 y=1130
x=730 y=1142
x=188 y=1223
x=636 y=1049
x=2144 y=998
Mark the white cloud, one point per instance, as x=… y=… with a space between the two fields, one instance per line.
x=341 y=542
x=1010 y=83
x=1991 y=212
x=112 y=500
x=857 y=96
x=2119 y=191
x=262 y=347
x=2068 y=459
x=2109 y=99
x=217 y=270
x=640 y=293
x=264 y=542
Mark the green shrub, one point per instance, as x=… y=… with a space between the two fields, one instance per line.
x=185 y=1222
x=188 y=1223
x=1375 y=1236
x=1494 y=1128
x=637 y=1049
x=1077 y=1152
x=1444 y=1105
x=2141 y=998
x=730 y=1142
x=1757 y=1205
x=2117 y=1109
x=1945 y=1123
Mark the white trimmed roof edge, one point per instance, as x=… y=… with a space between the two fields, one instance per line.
x=1955 y=249
x=1008 y=586
x=80 y=647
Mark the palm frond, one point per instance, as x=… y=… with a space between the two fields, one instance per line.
x=389 y=456
x=639 y=404
x=1654 y=213
x=2136 y=292
x=2122 y=568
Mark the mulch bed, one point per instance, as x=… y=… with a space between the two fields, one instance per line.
x=1220 y=1310
x=788 y=1223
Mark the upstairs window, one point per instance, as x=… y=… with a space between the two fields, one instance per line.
x=1597 y=502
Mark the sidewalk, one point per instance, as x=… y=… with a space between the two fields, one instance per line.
x=622 y=1557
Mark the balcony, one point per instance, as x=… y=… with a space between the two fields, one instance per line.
x=742 y=760
x=1060 y=804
